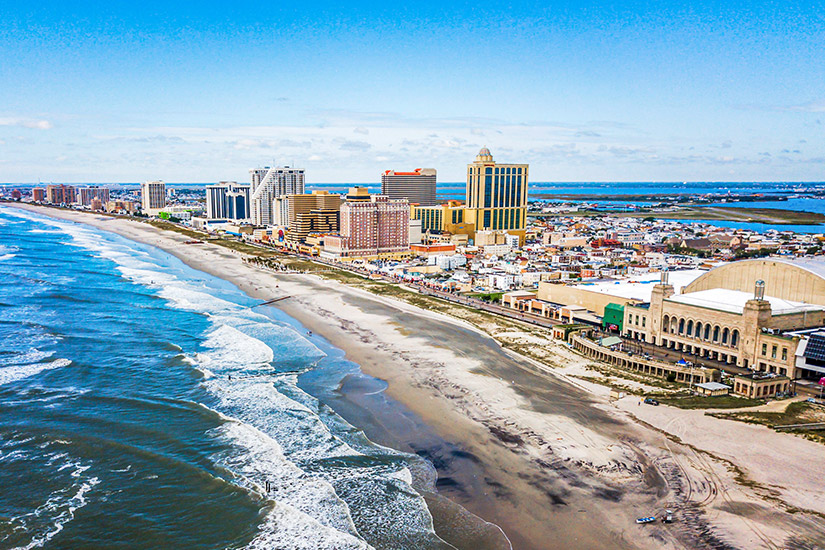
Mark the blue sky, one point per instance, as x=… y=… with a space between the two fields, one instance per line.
x=583 y=91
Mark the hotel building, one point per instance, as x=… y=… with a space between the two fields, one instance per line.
x=315 y=212
x=152 y=197
x=496 y=195
x=270 y=183
x=417 y=187
x=228 y=200
x=39 y=194
x=448 y=217
x=60 y=194
x=374 y=228
x=86 y=194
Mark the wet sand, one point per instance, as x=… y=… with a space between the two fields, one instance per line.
x=542 y=455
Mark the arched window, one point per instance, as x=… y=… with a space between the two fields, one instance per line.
x=725 y=334
x=698 y=332
x=716 y=333
x=690 y=328
x=734 y=338
x=707 y=332
x=666 y=324
x=681 y=326
x=673 y=325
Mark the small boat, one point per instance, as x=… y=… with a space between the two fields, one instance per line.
x=650 y=519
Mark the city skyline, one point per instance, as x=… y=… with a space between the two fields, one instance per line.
x=585 y=93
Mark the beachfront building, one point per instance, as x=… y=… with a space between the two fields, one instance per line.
x=379 y=227
x=228 y=200
x=85 y=195
x=417 y=187
x=747 y=313
x=270 y=183
x=304 y=214
x=60 y=194
x=38 y=194
x=496 y=195
x=152 y=197
x=121 y=206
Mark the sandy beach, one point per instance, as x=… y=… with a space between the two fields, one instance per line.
x=542 y=454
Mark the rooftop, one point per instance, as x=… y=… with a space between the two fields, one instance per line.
x=640 y=287
x=713 y=386
x=733 y=301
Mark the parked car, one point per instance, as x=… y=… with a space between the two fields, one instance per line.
x=651 y=401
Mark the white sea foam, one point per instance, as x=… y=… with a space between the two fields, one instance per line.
x=59 y=508
x=311 y=504
x=229 y=348
x=7 y=252
x=15 y=373
x=33 y=355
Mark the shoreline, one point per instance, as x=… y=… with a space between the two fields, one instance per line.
x=561 y=464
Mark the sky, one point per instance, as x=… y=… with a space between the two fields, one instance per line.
x=580 y=90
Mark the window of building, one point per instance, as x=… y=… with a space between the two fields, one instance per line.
x=764 y=349
x=773 y=352
x=784 y=354
x=643 y=320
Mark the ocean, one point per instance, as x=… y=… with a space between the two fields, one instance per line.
x=144 y=404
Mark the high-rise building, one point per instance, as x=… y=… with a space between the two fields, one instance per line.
x=39 y=194
x=358 y=194
x=86 y=194
x=496 y=195
x=60 y=194
x=448 y=217
x=418 y=186
x=270 y=183
x=315 y=212
x=317 y=200
x=376 y=227
x=152 y=197
x=238 y=204
x=228 y=200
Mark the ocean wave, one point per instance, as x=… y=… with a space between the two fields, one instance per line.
x=258 y=461
x=230 y=349
x=47 y=520
x=15 y=373
x=32 y=355
x=373 y=487
x=62 y=508
x=7 y=252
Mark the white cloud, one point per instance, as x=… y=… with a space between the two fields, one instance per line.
x=26 y=123
x=810 y=107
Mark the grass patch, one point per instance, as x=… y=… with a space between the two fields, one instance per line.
x=710 y=402
x=487 y=296
x=655 y=381
x=192 y=234
x=798 y=412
